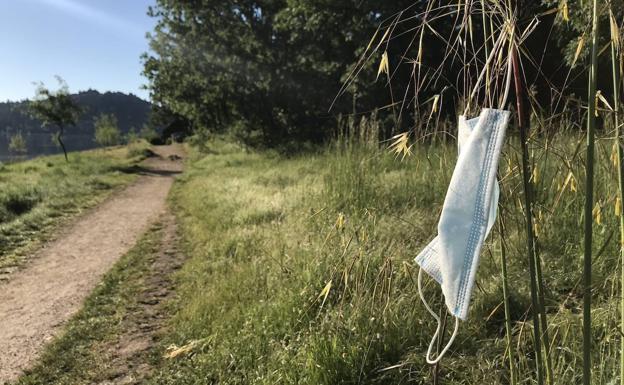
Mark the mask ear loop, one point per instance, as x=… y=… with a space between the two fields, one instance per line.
x=438 y=329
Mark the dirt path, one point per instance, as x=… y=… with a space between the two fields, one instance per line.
x=128 y=355
x=38 y=300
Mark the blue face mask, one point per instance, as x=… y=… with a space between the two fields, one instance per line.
x=468 y=214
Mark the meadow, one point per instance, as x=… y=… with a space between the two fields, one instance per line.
x=298 y=259
x=40 y=195
x=301 y=269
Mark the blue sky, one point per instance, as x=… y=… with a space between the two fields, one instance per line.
x=90 y=43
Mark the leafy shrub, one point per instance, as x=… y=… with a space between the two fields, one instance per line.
x=107 y=131
x=150 y=135
x=17 y=144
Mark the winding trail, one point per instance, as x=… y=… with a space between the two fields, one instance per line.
x=37 y=300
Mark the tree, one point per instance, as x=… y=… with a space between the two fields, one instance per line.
x=17 y=144
x=269 y=66
x=107 y=131
x=55 y=108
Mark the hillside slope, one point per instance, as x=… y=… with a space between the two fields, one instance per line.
x=130 y=110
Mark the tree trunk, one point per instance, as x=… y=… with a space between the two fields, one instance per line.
x=59 y=138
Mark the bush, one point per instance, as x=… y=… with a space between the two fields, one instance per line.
x=150 y=135
x=17 y=144
x=132 y=136
x=106 y=130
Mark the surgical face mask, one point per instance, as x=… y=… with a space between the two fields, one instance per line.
x=468 y=214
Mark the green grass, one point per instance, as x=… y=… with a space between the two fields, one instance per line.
x=265 y=235
x=82 y=355
x=38 y=196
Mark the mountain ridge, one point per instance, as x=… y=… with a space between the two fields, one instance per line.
x=131 y=111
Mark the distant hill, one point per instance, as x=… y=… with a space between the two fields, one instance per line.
x=130 y=110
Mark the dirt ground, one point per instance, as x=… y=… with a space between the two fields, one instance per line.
x=37 y=300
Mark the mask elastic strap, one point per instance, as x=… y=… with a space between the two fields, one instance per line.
x=438 y=329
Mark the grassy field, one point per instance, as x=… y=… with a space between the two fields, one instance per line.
x=38 y=196
x=300 y=271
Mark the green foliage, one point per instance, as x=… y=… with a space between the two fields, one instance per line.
x=267 y=71
x=149 y=134
x=55 y=108
x=578 y=24
x=17 y=144
x=132 y=136
x=272 y=67
x=106 y=130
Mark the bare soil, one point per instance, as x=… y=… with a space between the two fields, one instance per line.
x=36 y=301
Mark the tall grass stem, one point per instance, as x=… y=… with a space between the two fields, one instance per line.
x=528 y=206
x=486 y=39
x=508 y=330
x=615 y=60
x=589 y=200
